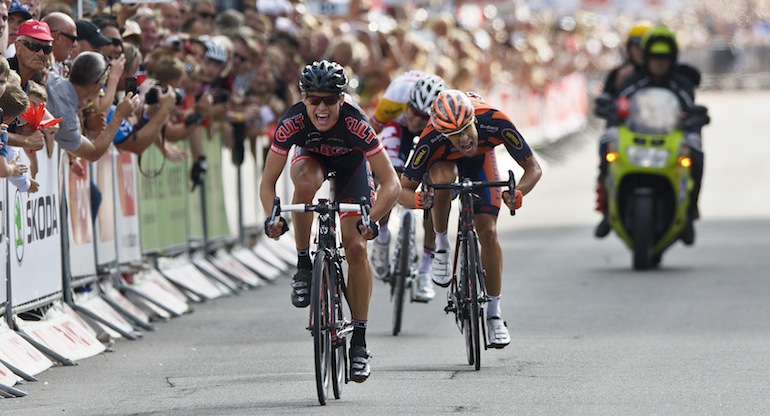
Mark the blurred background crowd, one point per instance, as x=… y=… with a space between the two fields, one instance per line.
x=245 y=56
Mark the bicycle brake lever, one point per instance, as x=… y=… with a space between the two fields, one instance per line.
x=276 y=211
x=511 y=188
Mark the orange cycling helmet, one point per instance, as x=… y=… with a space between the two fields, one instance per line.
x=452 y=111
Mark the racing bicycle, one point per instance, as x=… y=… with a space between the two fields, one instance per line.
x=467 y=291
x=329 y=322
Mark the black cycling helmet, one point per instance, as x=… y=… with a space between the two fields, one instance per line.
x=324 y=76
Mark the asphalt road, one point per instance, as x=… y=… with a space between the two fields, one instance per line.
x=590 y=336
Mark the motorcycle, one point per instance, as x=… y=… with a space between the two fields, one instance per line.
x=649 y=182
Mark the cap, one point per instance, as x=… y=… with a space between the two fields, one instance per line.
x=17 y=7
x=35 y=29
x=215 y=52
x=90 y=32
x=274 y=7
x=131 y=29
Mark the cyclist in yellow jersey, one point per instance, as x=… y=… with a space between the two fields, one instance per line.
x=395 y=99
x=398 y=139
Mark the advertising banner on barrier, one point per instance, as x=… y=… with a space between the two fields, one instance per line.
x=249 y=185
x=126 y=201
x=77 y=180
x=163 y=204
x=104 y=233
x=35 y=234
x=215 y=195
x=544 y=115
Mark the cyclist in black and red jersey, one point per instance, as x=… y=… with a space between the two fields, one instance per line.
x=331 y=133
x=460 y=141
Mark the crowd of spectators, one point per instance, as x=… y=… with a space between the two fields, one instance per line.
x=198 y=66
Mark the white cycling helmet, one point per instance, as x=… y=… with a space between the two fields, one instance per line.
x=425 y=91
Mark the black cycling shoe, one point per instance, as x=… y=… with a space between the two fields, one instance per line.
x=603 y=229
x=300 y=288
x=359 y=363
x=688 y=233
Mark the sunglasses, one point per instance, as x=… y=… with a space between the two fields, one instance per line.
x=464 y=130
x=240 y=57
x=35 y=47
x=420 y=114
x=206 y=15
x=328 y=100
x=116 y=41
x=73 y=38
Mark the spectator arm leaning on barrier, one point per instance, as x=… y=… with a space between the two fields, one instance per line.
x=33 y=141
x=92 y=151
x=150 y=132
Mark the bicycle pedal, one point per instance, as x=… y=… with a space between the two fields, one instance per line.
x=450 y=309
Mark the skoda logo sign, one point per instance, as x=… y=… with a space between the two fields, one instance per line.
x=18 y=229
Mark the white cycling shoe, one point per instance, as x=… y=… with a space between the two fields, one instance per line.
x=424 y=292
x=497 y=333
x=380 y=260
x=441 y=273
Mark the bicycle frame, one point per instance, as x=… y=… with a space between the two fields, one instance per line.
x=467 y=293
x=327 y=322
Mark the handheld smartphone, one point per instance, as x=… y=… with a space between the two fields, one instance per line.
x=131 y=85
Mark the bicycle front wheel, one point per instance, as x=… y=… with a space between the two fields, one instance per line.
x=402 y=270
x=321 y=324
x=339 y=356
x=470 y=281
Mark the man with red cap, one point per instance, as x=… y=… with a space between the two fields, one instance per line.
x=33 y=47
x=34 y=44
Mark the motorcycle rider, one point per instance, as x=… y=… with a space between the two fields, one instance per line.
x=632 y=65
x=660 y=69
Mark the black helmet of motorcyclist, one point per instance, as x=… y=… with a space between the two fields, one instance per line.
x=660 y=51
x=323 y=76
x=660 y=42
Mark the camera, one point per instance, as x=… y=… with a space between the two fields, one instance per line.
x=221 y=96
x=152 y=95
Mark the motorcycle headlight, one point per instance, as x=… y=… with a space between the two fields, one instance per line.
x=648 y=157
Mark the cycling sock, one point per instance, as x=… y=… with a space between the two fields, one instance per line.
x=303 y=259
x=427 y=260
x=442 y=241
x=359 y=333
x=493 y=309
x=384 y=236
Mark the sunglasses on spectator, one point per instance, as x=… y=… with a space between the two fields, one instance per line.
x=73 y=38
x=240 y=57
x=328 y=100
x=418 y=113
x=116 y=41
x=35 y=47
x=207 y=15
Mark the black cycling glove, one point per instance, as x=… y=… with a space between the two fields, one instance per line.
x=373 y=226
x=268 y=225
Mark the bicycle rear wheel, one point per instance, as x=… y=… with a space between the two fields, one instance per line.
x=402 y=270
x=472 y=327
x=321 y=324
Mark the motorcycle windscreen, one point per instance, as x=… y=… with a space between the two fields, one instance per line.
x=653 y=111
